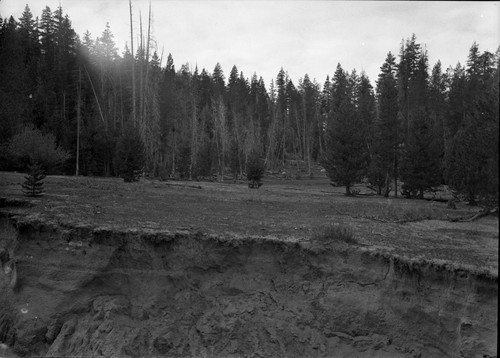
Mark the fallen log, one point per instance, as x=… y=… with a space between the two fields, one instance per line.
x=478 y=215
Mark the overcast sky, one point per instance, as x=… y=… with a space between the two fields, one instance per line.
x=300 y=36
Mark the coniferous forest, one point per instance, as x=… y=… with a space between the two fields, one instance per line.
x=98 y=112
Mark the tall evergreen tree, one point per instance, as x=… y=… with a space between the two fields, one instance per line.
x=14 y=84
x=385 y=157
x=437 y=108
x=309 y=105
x=365 y=99
x=420 y=162
x=408 y=68
x=456 y=109
x=472 y=156
x=345 y=154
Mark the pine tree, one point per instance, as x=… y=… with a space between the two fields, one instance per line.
x=345 y=154
x=437 y=108
x=105 y=45
x=234 y=116
x=410 y=56
x=218 y=81
x=472 y=153
x=420 y=167
x=28 y=30
x=13 y=84
x=309 y=112
x=47 y=28
x=385 y=158
x=281 y=115
x=420 y=162
x=366 y=110
x=33 y=183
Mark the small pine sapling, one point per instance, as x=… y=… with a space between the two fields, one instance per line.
x=255 y=170
x=33 y=184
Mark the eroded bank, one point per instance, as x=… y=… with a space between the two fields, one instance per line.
x=91 y=291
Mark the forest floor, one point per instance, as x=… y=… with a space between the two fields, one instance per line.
x=282 y=209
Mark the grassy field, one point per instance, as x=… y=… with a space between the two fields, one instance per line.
x=283 y=209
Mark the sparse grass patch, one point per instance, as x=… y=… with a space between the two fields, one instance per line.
x=332 y=234
x=406 y=213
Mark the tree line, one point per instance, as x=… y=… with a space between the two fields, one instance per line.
x=420 y=126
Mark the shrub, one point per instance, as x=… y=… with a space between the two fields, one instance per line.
x=33 y=184
x=32 y=146
x=254 y=169
x=331 y=234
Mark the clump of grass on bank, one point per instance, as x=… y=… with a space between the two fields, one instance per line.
x=325 y=236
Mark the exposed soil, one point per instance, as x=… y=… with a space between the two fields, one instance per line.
x=97 y=267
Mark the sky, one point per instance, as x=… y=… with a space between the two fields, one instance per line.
x=299 y=36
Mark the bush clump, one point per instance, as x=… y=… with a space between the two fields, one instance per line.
x=254 y=170
x=331 y=234
x=32 y=147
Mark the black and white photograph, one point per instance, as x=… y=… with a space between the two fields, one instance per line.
x=249 y=178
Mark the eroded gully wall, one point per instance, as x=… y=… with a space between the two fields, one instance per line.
x=94 y=292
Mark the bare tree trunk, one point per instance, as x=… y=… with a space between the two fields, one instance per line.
x=218 y=111
x=239 y=141
x=320 y=129
x=304 y=120
x=146 y=79
x=115 y=104
x=133 y=64
x=284 y=140
x=97 y=99
x=121 y=104
x=309 y=169
x=173 y=152
x=63 y=112
x=194 y=146
x=78 y=113
x=161 y=57
x=141 y=69
x=387 y=185
x=395 y=173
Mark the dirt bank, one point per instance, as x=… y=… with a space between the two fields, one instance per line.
x=89 y=291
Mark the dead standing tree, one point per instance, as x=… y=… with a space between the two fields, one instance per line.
x=146 y=118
